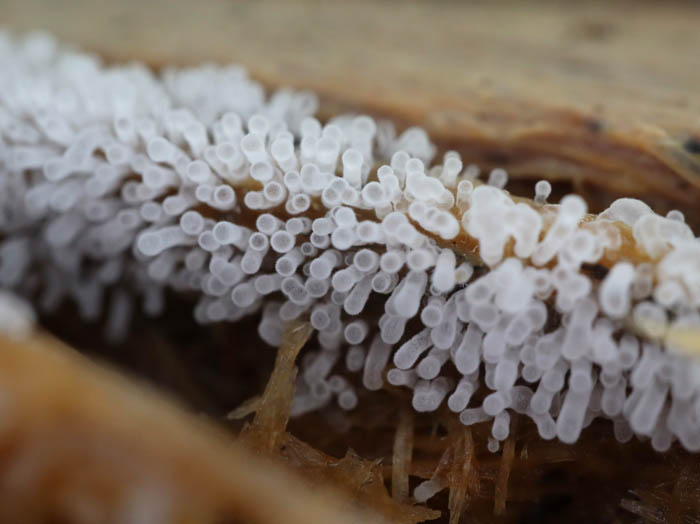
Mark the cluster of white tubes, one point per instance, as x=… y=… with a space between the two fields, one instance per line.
x=116 y=184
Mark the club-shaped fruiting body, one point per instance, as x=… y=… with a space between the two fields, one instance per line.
x=117 y=183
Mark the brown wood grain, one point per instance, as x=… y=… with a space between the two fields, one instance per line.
x=81 y=444
x=601 y=97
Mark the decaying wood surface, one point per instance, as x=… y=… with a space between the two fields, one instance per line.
x=599 y=96
x=80 y=443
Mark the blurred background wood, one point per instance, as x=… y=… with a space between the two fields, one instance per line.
x=82 y=444
x=601 y=96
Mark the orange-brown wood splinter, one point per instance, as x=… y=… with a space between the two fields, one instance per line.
x=139 y=455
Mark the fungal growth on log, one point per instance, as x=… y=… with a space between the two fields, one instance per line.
x=118 y=184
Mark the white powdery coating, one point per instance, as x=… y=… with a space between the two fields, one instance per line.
x=122 y=169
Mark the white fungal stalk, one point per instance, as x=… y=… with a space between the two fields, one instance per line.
x=109 y=178
x=17 y=316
